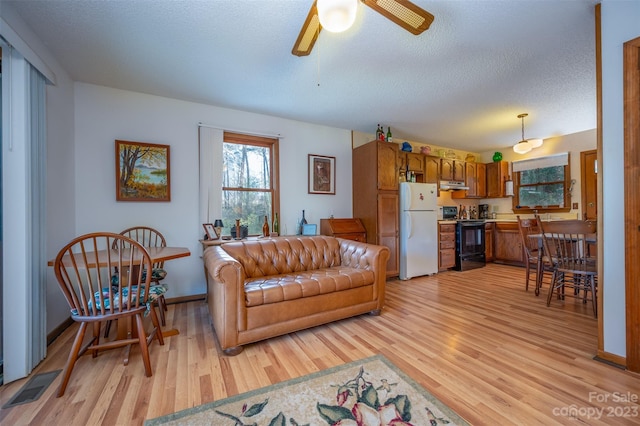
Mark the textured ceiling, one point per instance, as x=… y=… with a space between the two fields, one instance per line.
x=461 y=83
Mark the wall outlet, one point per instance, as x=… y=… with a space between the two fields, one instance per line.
x=574 y=206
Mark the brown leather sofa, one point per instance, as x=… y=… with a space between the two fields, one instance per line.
x=269 y=287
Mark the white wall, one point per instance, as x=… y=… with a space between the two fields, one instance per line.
x=103 y=115
x=620 y=23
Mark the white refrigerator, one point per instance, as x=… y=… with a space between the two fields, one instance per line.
x=418 y=229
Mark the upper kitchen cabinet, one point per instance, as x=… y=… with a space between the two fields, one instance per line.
x=451 y=169
x=431 y=169
x=425 y=167
x=386 y=158
x=497 y=174
x=412 y=162
x=475 y=179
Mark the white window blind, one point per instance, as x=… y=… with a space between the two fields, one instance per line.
x=561 y=159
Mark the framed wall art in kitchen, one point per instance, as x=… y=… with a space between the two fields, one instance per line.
x=322 y=174
x=142 y=172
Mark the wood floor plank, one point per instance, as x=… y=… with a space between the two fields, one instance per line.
x=476 y=340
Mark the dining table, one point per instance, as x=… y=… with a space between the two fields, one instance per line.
x=100 y=258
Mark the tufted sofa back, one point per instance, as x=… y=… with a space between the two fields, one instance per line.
x=285 y=255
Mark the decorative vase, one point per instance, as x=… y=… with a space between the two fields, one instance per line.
x=497 y=156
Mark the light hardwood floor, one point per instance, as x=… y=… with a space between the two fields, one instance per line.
x=476 y=340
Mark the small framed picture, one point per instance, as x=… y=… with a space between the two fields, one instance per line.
x=309 y=229
x=210 y=231
x=322 y=174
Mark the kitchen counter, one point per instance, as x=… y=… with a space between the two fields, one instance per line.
x=506 y=220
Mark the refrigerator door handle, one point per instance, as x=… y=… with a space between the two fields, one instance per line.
x=409 y=225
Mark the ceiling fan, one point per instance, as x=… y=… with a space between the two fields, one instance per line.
x=403 y=12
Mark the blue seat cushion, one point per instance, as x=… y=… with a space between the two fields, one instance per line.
x=155 y=291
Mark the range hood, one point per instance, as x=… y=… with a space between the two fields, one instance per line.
x=452 y=185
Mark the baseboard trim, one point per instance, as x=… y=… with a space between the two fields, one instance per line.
x=609 y=358
x=184 y=299
x=58 y=330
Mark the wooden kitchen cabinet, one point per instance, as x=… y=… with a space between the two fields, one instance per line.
x=497 y=174
x=508 y=244
x=387 y=170
x=481 y=180
x=375 y=196
x=451 y=169
x=347 y=228
x=475 y=179
x=431 y=169
x=446 y=246
x=488 y=241
x=413 y=162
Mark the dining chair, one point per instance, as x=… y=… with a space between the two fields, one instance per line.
x=529 y=228
x=84 y=269
x=567 y=243
x=150 y=237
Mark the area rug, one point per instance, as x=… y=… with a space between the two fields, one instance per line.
x=371 y=391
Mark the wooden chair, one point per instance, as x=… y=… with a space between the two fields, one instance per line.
x=85 y=269
x=150 y=237
x=567 y=243
x=533 y=252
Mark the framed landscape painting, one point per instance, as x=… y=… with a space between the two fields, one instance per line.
x=322 y=174
x=142 y=172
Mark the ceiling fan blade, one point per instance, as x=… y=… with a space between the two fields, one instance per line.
x=308 y=33
x=404 y=13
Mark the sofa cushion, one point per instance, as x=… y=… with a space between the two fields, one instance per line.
x=279 y=256
x=278 y=288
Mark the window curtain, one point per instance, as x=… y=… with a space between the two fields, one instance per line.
x=561 y=159
x=211 y=164
x=24 y=227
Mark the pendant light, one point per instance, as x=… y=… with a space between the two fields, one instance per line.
x=525 y=145
x=337 y=15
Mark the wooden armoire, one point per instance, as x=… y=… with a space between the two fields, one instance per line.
x=375 y=196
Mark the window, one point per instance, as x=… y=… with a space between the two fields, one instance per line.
x=249 y=180
x=542 y=184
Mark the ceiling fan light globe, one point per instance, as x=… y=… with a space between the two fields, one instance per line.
x=337 y=15
x=535 y=143
x=522 y=147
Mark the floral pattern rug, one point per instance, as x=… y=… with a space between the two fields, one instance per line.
x=368 y=392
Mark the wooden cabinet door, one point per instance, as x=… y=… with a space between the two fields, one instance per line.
x=488 y=241
x=446 y=169
x=508 y=244
x=387 y=166
x=388 y=215
x=470 y=179
x=415 y=162
x=481 y=180
x=458 y=170
x=496 y=175
x=431 y=169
